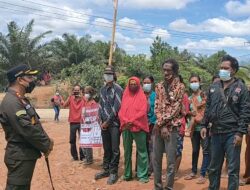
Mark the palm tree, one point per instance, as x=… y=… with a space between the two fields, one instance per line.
x=19 y=47
x=71 y=50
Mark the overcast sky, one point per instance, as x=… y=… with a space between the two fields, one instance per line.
x=201 y=26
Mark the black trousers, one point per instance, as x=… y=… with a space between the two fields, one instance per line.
x=20 y=173
x=111 y=146
x=74 y=129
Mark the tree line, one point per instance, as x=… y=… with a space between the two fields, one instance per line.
x=80 y=60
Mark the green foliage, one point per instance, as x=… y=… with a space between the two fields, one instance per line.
x=19 y=47
x=85 y=73
x=122 y=81
x=80 y=60
x=244 y=73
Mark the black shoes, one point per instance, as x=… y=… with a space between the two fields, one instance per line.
x=112 y=179
x=101 y=175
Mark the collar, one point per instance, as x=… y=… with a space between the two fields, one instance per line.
x=13 y=92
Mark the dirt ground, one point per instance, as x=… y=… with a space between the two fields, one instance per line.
x=70 y=175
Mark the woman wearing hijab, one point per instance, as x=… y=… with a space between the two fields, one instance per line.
x=134 y=126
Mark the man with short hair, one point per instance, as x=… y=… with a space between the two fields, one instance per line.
x=25 y=137
x=110 y=102
x=75 y=103
x=168 y=110
x=228 y=110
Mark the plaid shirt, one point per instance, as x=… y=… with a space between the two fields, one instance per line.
x=168 y=106
x=110 y=103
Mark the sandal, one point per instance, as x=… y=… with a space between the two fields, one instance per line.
x=201 y=180
x=123 y=178
x=244 y=182
x=190 y=176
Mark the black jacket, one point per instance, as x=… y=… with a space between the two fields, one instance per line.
x=229 y=112
x=25 y=136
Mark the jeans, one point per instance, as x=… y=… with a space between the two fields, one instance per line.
x=57 y=112
x=247 y=158
x=197 y=141
x=222 y=144
x=111 y=146
x=88 y=154
x=160 y=146
x=74 y=129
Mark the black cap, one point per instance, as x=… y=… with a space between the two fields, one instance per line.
x=109 y=70
x=18 y=71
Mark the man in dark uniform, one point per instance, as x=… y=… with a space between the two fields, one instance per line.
x=24 y=134
x=228 y=110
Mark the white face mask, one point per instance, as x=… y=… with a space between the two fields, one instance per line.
x=57 y=93
x=108 y=77
x=225 y=75
x=147 y=87
x=87 y=96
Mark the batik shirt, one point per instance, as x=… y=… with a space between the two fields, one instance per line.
x=168 y=104
x=110 y=103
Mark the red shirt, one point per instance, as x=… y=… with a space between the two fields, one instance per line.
x=75 y=109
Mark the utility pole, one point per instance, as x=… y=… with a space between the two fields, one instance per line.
x=113 y=32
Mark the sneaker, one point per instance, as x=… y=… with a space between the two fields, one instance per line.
x=112 y=179
x=101 y=175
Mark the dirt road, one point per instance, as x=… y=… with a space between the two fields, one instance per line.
x=70 y=175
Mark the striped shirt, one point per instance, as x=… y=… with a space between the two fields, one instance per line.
x=110 y=103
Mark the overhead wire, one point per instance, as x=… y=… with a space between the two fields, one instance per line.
x=99 y=23
x=123 y=22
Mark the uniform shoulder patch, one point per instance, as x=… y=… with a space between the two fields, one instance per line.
x=21 y=112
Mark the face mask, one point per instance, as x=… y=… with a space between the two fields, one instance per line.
x=225 y=75
x=108 y=78
x=195 y=86
x=133 y=89
x=147 y=87
x=57 y=94
x=76 y=93
x=31 y=87
x=87 y=96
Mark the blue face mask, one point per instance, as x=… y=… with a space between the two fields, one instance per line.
x=195 y=86
x=147 y=87
x=225 y=75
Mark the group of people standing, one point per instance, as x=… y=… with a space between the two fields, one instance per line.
x=155 y=119
x=217 y=120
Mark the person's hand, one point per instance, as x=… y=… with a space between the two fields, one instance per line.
x=51 y=146
x=104 y=125
x=203 y=133
x=237 y=140
x=193 y=113
x=127 y=126
x=164 y=133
